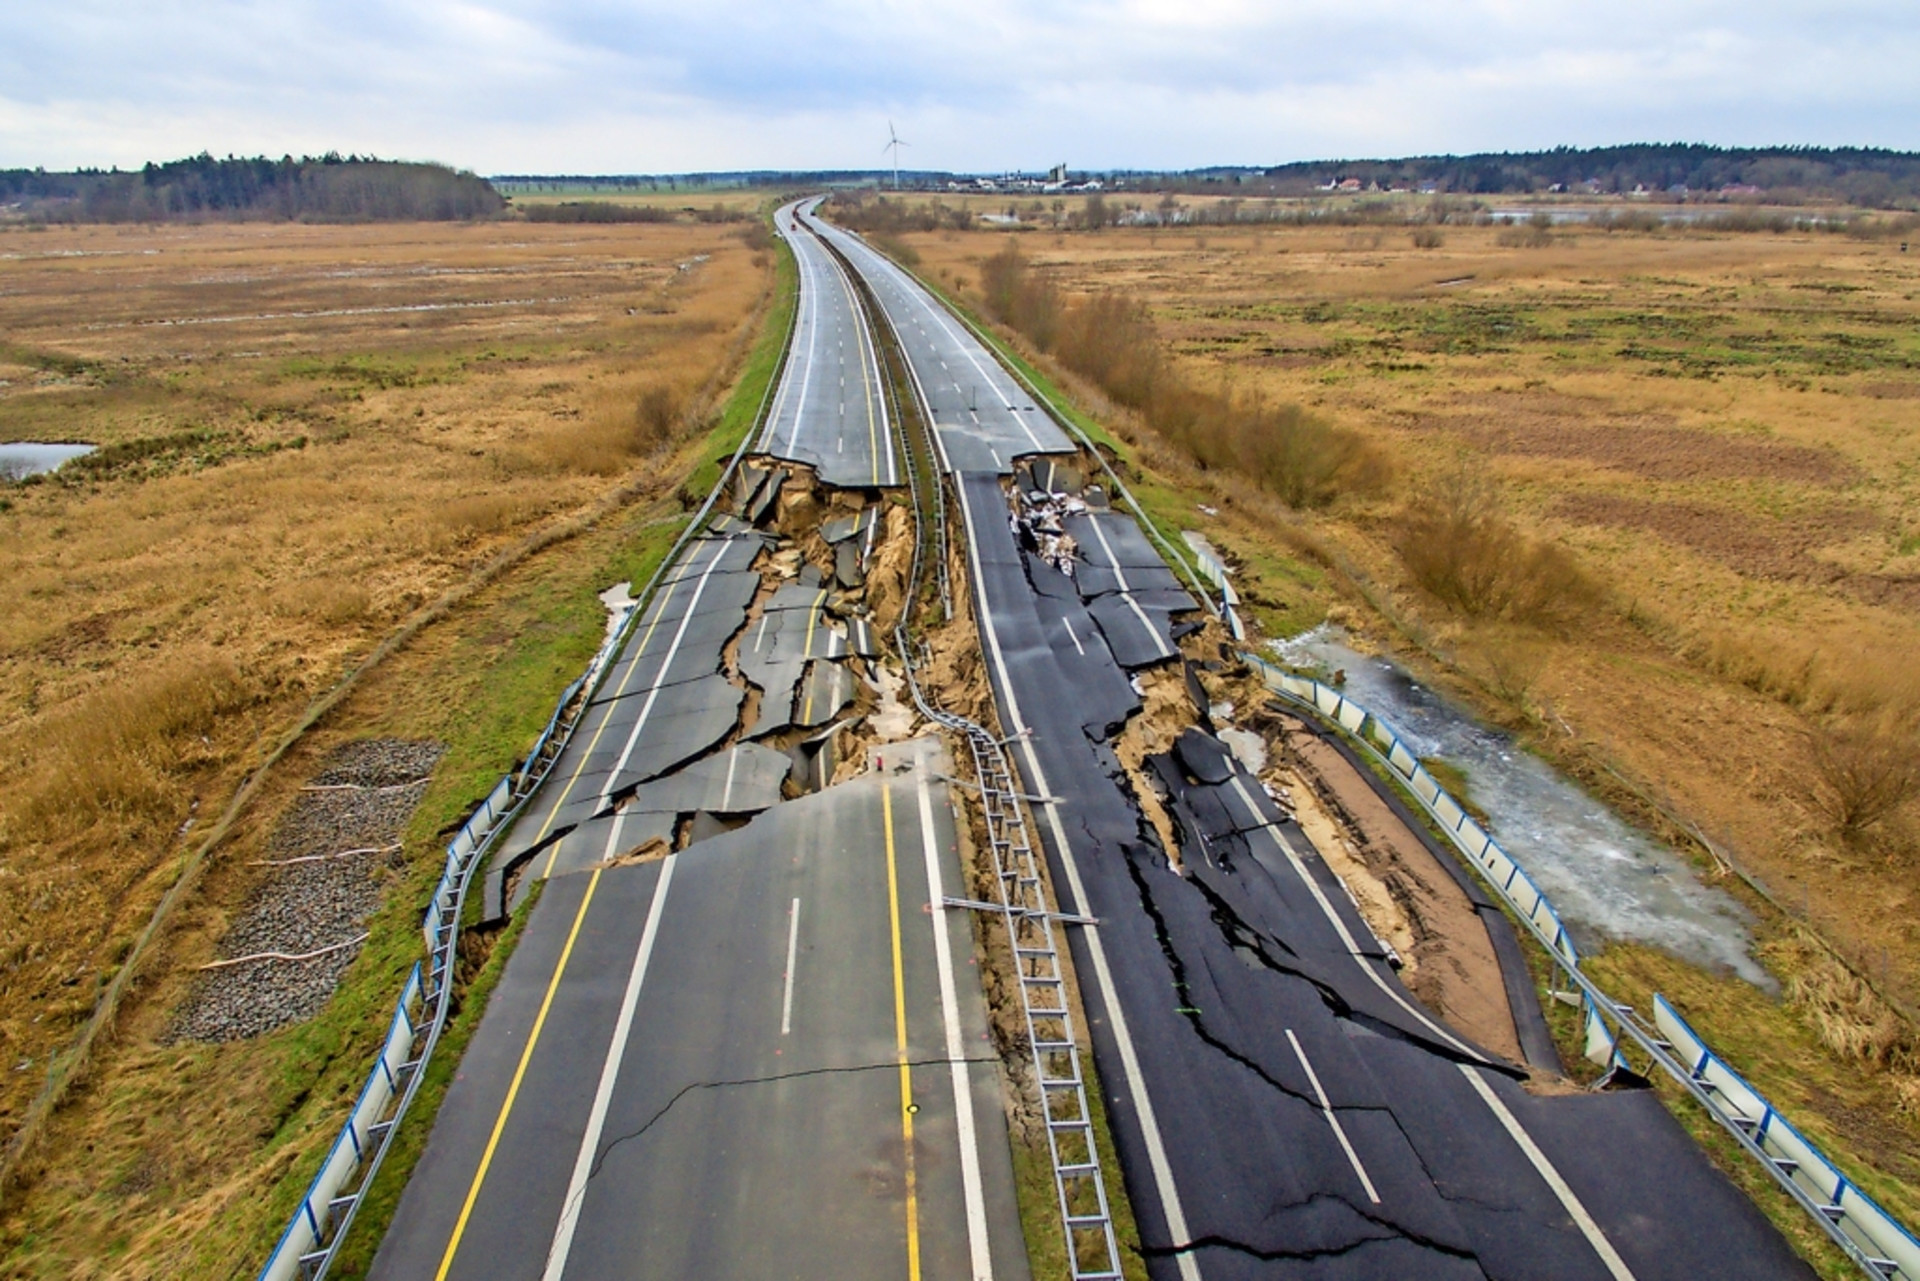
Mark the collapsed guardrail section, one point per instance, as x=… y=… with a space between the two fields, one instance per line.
x=1873 y=1239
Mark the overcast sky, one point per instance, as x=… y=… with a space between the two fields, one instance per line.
x=624 y=86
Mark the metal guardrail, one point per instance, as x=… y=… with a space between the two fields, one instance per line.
x=1889 y=1247
x=1740 y=1111
x=1494 y=864
x=1080 y=1190
x=1215 y=571
x=307 y=1246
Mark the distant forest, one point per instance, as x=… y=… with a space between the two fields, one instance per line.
x=326 y=188
x=1865 y=176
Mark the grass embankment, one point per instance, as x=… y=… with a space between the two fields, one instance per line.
x=194 y=1155
x=1695 y=441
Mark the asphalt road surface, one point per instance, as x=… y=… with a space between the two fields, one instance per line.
x=1282 y=1106
x=986 y=419
x=763 y=1057
x=829 y=409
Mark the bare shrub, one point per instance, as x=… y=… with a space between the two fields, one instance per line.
x=895 y=248
x=1512 y=668
x=1427 y=238
x=1861 y=776
x=656 y=417
x=619 y=425
x=118 y=750
x=1457 y=542
x=1535 y=233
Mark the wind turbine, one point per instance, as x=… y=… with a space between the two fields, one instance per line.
x=894 y=143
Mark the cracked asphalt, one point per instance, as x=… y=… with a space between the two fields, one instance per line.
x=1281 y=1105
x=753 y=1127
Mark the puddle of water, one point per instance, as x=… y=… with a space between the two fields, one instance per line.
x=31 y=457
x=1607 y=880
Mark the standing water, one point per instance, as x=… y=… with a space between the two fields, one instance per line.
x=30 y=457
x=1607 y=880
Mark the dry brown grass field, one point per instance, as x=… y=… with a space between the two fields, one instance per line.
x=307 y=434
x=1707 y=445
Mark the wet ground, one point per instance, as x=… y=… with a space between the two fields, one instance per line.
x=1607 y=880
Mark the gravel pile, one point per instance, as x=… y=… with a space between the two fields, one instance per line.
x=360 y=802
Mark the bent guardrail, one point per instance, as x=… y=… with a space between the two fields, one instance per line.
x=1864 y=1231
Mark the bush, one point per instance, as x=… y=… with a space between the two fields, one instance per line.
x=1535 y=233
x=1427 y=238
x=1862 y=776
x=1458 y=544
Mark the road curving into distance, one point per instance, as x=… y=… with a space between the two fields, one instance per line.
x=738 y=1037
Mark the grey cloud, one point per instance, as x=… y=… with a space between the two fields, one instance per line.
x=598 y=85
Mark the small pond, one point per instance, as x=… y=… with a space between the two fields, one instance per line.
x=31 y=457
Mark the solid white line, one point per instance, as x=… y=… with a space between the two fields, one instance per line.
x=1326 y=1110
x=813 y=335
x=1126 y=592
x=956 y=1049
x=609 y=1071
x=1068 y=624
x=1340 y=928
x=964 y=345
x=1584 y=1221
x=1157 y=1162
x=793 y=946
x=653 y=695
x=726 y=793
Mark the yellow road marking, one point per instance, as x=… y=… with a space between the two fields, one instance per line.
x=519 y=1074
x=900 y=1036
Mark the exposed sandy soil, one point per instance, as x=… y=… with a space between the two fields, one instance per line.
x=1410 y=899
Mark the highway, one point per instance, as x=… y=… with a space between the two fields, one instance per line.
x=741 y=1035
x=1282 y=1106
x=829 y=410
x=758 y=1057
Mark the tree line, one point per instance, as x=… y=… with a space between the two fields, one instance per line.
x=1868 y=176
x=329 y=188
